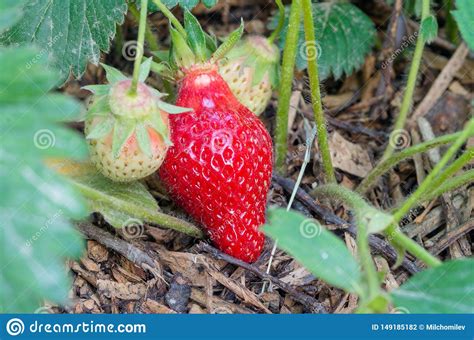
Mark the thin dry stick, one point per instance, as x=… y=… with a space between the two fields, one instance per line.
x=441 y=83
x=308 y=301
x=307 y=157
x=131 y=252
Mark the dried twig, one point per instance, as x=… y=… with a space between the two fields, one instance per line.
x=126 y=249
x=441 y=83
x=308 y=301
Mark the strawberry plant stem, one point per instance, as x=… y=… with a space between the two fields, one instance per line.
x=149 y=37
x=430 y=179
x=384 y=165
x=412 y=75
x=316 y=93
x=140 y=212
x=140 y=47
x=450 y=184
x=281 y=22
x=451 y=170
x=287 y=74
x=167 y=13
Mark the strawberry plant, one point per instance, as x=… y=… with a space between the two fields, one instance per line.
x=177 y=144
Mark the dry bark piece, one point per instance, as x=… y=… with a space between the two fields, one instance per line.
x=178 y=295
x=154 y=307
x=122 y=291
x=96 y=251
x=349 y=157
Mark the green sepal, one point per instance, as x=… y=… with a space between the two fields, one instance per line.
x=163 y=69
x=98 y=90
x=182 y=54
x=163 y=55
x=145 y=70
x=102 y=129
x=196 y=36
x=156 y=122
x=229 y=43
x=211 y=42
x=157 y=93
x=429 y=28
x=172 y=109
x=112 y=74
x=123 y=129
x=143 y=139
x=100 y=106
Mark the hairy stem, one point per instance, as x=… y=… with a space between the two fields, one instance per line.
x=361 y=207
x=395 y=235
x=140 y=47
x=316 y=94
x=410 y=88
x=149 y=36
x=429 y=180
x=287 y=74
x=140 y=212
x=450 y=185
x=167 y=13
x=451 y=170
x=281 y=22
x=386 y=164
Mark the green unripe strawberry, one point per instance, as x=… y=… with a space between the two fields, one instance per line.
x=251 y=70
x=128 y=134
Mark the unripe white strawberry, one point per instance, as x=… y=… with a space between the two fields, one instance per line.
x=251 y=69
x=128 y=134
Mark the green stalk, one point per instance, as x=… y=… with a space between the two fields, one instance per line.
x=451 y=170
x=140 y=47
x=316 y=94
x=394 y=234
x=140 y=212
x=450 y=185
x=167 y=13
x=386 y=164
x=287 y=74
x=149 y=36
x=410 y=88
x=281 y=22
x=430 y=179
x=361 y=207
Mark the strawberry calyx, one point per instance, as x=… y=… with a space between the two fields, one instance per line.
x=258 y=53
x=115 y=110
x=197 y=47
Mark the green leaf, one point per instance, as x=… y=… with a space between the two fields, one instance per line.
x=36 y=203
x=121 y=204
x=429 y=29
x=313 y=246
x=464 y=15
x=187 y=4
x=123 y=129
x=102 y=129
x=10 y=12
x=70 y=32
x=113 y=75
x=145 y=69
x=447 y=288
x=344 y=36
x=196 y=36
x=172 y=109
x=143 y=139
x=98 y=90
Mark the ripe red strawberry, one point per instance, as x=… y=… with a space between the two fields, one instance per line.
x=219 y=167
x=251 y=69
x=128 y=135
